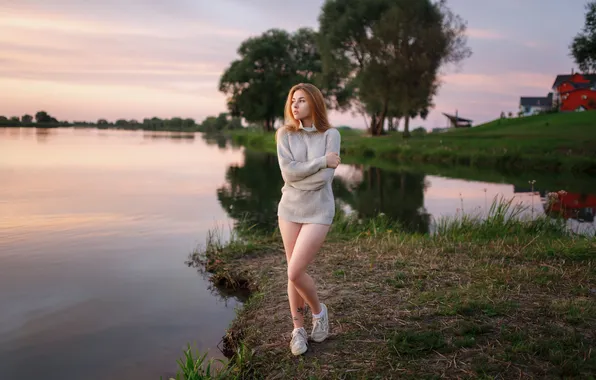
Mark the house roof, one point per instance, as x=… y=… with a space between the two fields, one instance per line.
x=580 y=86
x=534 y=101
x=564 y=78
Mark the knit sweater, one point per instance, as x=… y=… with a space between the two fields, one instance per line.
x=307 y=196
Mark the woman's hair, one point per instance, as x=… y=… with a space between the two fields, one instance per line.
x=317 y=106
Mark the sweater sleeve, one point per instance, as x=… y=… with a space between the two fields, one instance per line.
x=320 y=178
x=295 y=170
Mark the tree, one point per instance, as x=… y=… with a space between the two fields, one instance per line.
x=12 y=122
x=386 y=54
x=583 y=47
x=27 y=119
x=257 y=84
x=188 y=123
x=43 y=117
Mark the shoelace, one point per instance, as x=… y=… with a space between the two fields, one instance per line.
x=298 y=333
x=319 y=323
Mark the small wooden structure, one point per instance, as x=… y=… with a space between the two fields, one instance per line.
x=458 y=122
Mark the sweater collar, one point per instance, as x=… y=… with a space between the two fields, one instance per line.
x=307 y=129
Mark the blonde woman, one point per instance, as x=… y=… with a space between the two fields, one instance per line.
x=308 y=153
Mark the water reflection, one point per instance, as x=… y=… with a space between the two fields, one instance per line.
x=174 y=136
x=398 y=195
x=216 y=139
x=415 y=200
x=580 y=207
x=253 y=190
x=43 y=134
x=95 y=228
x=221 y=141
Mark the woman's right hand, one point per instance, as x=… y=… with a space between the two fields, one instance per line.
x=333 y=160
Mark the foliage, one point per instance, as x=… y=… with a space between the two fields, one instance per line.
x=220 y=123
x=257 y=84
x=12 y=122
x=383 y=56
x=26 y=119
x=583 y=47
x=502 y=218
x=44 y=117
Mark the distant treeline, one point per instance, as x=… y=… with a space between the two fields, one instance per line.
x=42 y=119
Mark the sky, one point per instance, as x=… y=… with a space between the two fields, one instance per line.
x=85 y=60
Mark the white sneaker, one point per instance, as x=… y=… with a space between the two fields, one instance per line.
x=299 y=344
x=320 y=326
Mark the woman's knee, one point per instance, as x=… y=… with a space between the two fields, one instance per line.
x=294 y=274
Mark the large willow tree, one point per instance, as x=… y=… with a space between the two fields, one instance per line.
x=384 y=56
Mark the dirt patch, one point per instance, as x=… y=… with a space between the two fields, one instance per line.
x=418 y=307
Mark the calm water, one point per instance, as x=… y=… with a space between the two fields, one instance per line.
x=96 y=226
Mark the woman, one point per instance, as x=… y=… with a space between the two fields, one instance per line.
x=308 y=153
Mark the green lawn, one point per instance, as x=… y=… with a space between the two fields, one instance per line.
x=576 y=125
x=563 y=142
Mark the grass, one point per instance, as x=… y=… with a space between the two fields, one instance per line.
x=503 y=218
x=513 y=299
x=562 y=142
x=194 y=366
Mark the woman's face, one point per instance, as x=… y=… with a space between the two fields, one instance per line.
x=300 y=107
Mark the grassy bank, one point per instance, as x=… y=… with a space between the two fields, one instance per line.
x=494 y=298
x=563 y=142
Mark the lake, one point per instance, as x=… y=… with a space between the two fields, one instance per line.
x=96 y=227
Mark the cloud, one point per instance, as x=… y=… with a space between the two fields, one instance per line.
x=501 y=83
x=60 y=23
x=93 y=101
x=485 y=34
x=119 y=56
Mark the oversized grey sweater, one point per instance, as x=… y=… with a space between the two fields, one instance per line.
x=307 y=196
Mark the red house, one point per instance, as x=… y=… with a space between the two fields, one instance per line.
x=575 y=92
x=581 y=207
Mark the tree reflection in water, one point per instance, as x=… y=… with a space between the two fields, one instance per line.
x=252 y=191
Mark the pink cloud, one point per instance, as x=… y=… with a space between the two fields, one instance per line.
x=94 y=101
x=502 y=83
x=485 y=34
x=56 y=22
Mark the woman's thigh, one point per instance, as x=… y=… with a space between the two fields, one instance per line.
x=289 y=234
x=309 y=241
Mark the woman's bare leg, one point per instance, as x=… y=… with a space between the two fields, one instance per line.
x=309 y=241
x=289 y=234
